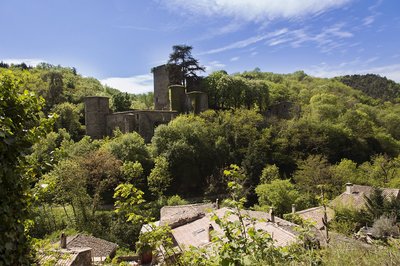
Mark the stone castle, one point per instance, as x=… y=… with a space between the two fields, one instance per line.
x=169 y=101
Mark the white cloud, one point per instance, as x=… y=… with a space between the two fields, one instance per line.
x=213 y=66
x=389 y=71
x=218 y=31
x=136 y=84
x=277 y=41
x=246 y=42
x=233 y=59
x=368 y=20
x=372 y=59
x=254 y=10
x=238 y=44
x=28 y=61
x=326 y=39
x=336 y=31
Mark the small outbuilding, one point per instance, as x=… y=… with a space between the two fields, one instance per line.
x=101 y=249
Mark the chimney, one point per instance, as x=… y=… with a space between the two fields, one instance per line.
x=63 y=240
x=293 y=208
x=209 y=230
x=349 y=188
x=217 y=204
x=272 y=214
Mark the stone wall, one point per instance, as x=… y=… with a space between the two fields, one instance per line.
x=283 y=110
x=83 y=257
x=177 y=98
x=141 y=121
x=124 y=121
x=169 y=101
x=149 y=120
x=197 y=101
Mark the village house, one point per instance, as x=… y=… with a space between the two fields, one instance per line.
x=316 y=215
x=192 y=225
x=78 y=250
x=100 y=248
x=354 y=196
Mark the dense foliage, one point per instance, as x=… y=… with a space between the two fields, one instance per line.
x=374 y=86
x=290 y=134
x=20 y=126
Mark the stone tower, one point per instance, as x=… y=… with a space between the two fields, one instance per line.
x=198 y=101
x=96 y=111
x=161 y=83
x=177 y=98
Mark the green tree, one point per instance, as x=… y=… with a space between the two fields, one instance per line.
x=269 y=174
x=193 y=150
x=381 y=170
x=314 y=172
x=68 y=118
x=103 y=174
x=280 y=194
x=121 y=102
x=45 y=153
x=188 y=66
x=159 y=179
x=54 y=93
x=325 y=106
x=133 y=173
x=347 y=171
x=130 y=147
x=261 y=92
x=20 y=126
x=67 y=185
x=128 y=199
x=213 y=92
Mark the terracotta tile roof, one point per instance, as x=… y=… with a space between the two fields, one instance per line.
x=355 y=198
x=100 y=247
x=316 y=214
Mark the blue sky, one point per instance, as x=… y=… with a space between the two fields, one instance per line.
x=119 y=41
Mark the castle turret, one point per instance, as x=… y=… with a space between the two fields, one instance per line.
x=198 y=101
x=96 y=111
x=161 y=83
x=177 y=98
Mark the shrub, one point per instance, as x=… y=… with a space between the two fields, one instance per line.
x=385 y=227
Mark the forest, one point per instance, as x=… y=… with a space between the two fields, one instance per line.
x=331 y=131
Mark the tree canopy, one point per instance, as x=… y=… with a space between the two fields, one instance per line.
x=183 y=65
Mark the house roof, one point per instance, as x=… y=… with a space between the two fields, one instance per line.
x=60 y=257
x=195 y=233
x=355 y=196
x=316 y=214
x=175 y=216
x=100 y=247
